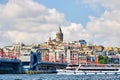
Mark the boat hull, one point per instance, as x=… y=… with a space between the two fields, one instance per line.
x=67 y=72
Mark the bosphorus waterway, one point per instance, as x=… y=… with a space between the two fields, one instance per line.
x=57 y=77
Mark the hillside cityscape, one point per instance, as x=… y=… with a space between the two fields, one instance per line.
x=59 y=40
x=57 y=50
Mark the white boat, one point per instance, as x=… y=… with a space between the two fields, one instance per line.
x=89 y=70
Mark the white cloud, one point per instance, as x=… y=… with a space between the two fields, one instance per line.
x=75 y=32
x=106 y=27
x=111 y=4
x=30 y=22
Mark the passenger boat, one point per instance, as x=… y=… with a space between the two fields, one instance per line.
x=90 y=69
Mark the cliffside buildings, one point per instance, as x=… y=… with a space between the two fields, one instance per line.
x=74 y=52
x=77 y=52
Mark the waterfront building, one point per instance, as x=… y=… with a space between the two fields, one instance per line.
x=1 y=53
x=57 y=51
x=16 y=47
x=25 y=58
x=49 y=41
x=114 y=59
x=110 y=53
x=91 y=58
x=57 y=54
x=6 y=48
x=82 y=42
x=109 y=48
x=37 y=62
x=44 y=55
x=96 y=52
x=52 y=56
x=75 y=56
x=68 y=57
x=82 y=58
x=96 y=47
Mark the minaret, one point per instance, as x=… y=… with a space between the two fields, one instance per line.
x=59 y=35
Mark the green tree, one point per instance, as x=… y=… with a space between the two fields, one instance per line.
x=101 y=61
x=105 y=59
x=100 y=57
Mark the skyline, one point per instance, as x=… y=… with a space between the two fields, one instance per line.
x=34 y=21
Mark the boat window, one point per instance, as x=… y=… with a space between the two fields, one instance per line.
x=99 y=69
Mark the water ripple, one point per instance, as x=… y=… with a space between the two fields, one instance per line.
x=57 y=77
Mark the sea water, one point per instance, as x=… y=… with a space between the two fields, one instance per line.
x=57 y=77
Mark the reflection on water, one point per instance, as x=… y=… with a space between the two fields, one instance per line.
x=57 y=77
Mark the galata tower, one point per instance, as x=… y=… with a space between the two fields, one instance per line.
x=59 y=36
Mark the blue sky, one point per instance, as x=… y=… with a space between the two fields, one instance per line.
x=3 y=1
x=74 y=10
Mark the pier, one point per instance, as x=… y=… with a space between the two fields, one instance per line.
x=37 y=64
x=9 y=66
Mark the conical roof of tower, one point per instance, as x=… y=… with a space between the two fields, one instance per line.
x=60 y=31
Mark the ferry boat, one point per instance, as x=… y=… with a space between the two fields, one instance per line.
x=90 y=69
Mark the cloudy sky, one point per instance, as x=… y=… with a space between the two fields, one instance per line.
x=33 y=21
